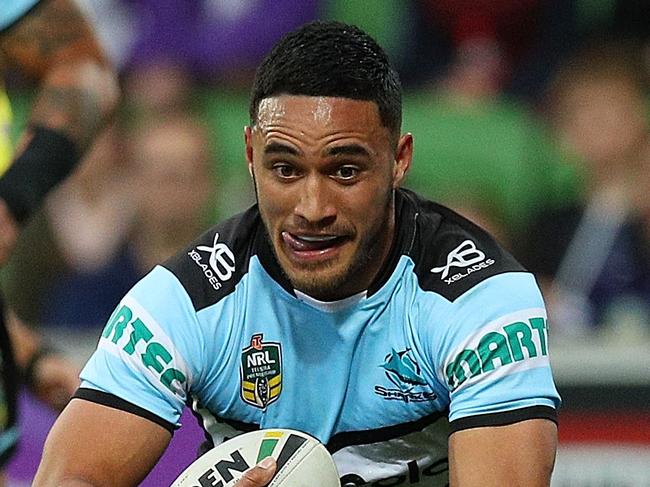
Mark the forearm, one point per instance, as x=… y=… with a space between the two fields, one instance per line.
x=77 y=94
x=25 y=341
x=76 y=100
x=74 y=103
x=48 y=374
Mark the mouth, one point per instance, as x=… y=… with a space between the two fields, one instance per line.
x=305 y=247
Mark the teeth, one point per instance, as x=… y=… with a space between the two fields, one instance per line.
x=320 y=238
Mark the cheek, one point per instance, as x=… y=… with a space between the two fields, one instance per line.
x=274 y=204
x=369 y=209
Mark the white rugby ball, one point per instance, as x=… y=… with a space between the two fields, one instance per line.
x=301 y=459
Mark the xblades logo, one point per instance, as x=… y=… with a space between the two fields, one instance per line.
x=222 y=259
x=221 y=262
x=466 y=255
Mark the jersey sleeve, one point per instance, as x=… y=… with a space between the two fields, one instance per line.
x=13 y=10
x=494 y=358
x=147 y=359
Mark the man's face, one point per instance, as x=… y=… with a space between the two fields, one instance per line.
x=324 y=171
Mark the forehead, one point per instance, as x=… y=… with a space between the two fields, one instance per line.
x=319 y=115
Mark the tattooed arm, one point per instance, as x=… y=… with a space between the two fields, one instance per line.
x=78 y=91
x=55 y=44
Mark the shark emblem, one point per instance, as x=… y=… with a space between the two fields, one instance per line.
x=402 y=370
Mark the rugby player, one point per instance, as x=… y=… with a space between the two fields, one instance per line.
x=398 y=333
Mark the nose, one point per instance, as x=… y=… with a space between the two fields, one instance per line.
x=315 y=201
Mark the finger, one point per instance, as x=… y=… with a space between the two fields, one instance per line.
x=260 y=475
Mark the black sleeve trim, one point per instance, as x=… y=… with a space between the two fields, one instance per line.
x=504 y=418
x=115 y=402
x=353 y=438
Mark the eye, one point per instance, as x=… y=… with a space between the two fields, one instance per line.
x=285 y=171
x=346 y=173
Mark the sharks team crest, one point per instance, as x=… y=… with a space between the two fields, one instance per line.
x=404 y=372
x=261 y=372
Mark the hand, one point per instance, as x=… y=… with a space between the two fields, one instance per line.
x=260 y=475
x=8 y=232
x=55 y=380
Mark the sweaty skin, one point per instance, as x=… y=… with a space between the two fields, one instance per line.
x=270 y=110
x=323 y=112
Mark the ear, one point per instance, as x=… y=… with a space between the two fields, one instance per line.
x=403 y=157
x=248 y=141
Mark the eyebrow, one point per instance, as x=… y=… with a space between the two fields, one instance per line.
x=348 y=150
x=279 y=148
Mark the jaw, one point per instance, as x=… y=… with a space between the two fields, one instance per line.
x=339 y=272
x=336 y=269
x=322 y=274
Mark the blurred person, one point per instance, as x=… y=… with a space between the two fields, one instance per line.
x=158 y=89
x=481 y=49
x=494 y=156
x=394 y=330
x=112 y=225
x=485 y=148
x=173 y=165
x=51 y=42
x=90 y=214
x=592 y=258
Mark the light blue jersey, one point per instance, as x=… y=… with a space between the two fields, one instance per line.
x=12 y=10
x=451 y=336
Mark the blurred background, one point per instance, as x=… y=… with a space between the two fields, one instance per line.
x=531 y=117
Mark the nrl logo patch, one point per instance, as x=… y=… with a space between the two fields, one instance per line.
x=261 y=372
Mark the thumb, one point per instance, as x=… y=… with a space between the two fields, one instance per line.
x=260 y=475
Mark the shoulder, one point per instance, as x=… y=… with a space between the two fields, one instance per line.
x=451 y=254
x=211 y=266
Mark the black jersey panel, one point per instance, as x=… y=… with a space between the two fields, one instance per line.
x=212 y=265
x=452 y=254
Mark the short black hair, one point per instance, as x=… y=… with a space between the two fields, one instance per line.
x=329 y=58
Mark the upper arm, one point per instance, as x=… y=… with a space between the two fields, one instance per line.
x=503 y=400
x=95 y=445
x=519 y=454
